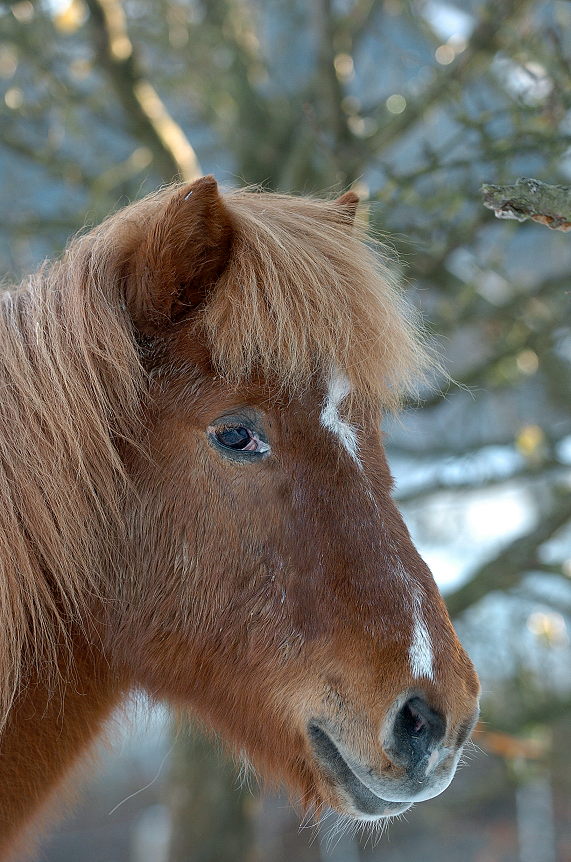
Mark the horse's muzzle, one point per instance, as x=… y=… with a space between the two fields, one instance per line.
x=422 y=766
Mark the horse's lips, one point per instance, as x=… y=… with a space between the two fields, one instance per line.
x=368 y=803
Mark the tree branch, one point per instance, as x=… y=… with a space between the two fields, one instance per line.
x=485 y=41
x=529 y=470
x=329 y=87
x=147 y=114
x=483 y=373
x=508 y=568
x=527 y=198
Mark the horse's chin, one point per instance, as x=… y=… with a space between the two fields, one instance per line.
x=348 y=796
x=385 y=812
x=359 y=804
x=350 y=792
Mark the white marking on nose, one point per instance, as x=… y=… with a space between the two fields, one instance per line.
x=432 y=760
x=420 y=652
x=338 y=389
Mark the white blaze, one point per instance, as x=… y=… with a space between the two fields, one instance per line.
x=339 y=388
x=420 y=652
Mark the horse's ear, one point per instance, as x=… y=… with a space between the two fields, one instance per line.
x=347 y=204
x=180 y=257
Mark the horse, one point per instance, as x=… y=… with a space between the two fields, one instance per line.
x=195 y=502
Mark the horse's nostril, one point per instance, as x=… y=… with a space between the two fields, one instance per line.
x=419 y=717
x=416 y=732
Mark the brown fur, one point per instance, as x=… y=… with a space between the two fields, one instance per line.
x=257 y=595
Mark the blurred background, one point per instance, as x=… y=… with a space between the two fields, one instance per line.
x=414 y=103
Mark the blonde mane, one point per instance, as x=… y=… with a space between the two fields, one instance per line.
x=302 y=294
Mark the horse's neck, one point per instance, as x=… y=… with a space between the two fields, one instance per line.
x=46 y=735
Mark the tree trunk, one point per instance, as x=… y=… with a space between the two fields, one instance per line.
x=212 y=816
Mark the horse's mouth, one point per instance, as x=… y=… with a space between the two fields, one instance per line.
x=367 y=805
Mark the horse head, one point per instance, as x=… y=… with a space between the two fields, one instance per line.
x=272 y=585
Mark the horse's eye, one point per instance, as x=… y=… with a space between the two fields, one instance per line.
x=235 y=438
x=238 y=441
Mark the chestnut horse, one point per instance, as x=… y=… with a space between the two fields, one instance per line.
x=194 y=501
